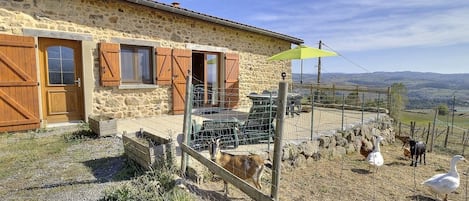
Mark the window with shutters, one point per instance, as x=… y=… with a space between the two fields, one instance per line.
x=136 y=64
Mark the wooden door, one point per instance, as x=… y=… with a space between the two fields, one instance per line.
x=19 y=102
x=61 y=80
x=181 y=63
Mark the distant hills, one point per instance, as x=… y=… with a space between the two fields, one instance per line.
x=425 y=90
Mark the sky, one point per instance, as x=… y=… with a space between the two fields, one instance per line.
x=369 y=35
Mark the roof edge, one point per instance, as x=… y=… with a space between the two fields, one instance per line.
x=209 y=18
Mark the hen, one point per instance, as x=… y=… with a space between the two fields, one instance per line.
x=366 y=148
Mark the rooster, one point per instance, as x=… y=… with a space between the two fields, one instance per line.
x=366 y=148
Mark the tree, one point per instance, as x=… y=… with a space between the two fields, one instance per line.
x=352 y=99
x=398 y=100
x=443 y=109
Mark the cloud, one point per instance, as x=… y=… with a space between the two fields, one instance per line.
x=368 y=24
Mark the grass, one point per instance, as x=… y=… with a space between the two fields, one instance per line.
x=157 y=184
x=23 y=155
x=22 y=150
x=423 y=118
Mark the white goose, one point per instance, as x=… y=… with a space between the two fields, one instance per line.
x=445 y=183
x=375 y=158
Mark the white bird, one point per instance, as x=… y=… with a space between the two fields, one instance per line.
x=445 y=183
x=375 y=158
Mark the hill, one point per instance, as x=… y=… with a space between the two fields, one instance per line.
x=425 y=90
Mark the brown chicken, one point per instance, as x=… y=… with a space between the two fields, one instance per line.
x=407 y=152
x=366 y=148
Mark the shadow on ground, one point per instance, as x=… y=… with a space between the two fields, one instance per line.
x=421 y=198
x=111 y=168
x=210 y=194
x=360 y=171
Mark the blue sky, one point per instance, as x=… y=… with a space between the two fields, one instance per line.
x=369 y=35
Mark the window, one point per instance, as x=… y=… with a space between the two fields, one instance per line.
x=61 y=65
x=136 y=65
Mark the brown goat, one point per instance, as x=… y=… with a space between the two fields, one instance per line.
x=244 y=166
x=404 y=139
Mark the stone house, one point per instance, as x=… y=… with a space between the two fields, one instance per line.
x=62 y=60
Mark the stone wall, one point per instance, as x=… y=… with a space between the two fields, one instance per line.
x=337 y=145
x=104 y=19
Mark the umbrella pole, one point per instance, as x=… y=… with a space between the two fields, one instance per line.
x=301 y=74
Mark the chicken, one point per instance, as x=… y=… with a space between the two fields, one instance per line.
x=407 y=152
x=366 y=148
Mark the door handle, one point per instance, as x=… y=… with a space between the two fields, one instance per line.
x=78 y=81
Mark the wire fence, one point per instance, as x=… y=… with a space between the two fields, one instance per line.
x=246 y=124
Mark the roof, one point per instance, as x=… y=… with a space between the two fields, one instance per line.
x=217 y=20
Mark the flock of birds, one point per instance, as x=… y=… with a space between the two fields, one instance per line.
x=444 y=183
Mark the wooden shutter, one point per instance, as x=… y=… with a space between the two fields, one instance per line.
x=19 y=101
x=182 y=62
x=163 y=66
x=231 y=80
x=109 y=68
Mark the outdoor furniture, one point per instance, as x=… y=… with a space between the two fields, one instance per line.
x=224 y=129
x=259 y=125
x=257 y=128
x=293 y=100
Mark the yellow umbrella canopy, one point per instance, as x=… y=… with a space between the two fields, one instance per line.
x=301 y=52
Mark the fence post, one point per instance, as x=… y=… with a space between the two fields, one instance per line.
x=363 y=106
x=446 y=137
x=343 y=108
x=187 y=122
x=377 y=105
x=400 y=127
x=452 y=115
x=281 y=109
x=312 y=117
x=428 y=133
x=270 y=117
x=433 y=129
x=463 y=142
x=333 y=92
x=412 y=128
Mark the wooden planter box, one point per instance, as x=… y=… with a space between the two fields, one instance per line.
x=102 y=125
x=148 y=149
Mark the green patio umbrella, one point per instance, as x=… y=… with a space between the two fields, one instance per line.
x=301 y=52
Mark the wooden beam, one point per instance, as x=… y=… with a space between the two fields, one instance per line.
x=227 y=176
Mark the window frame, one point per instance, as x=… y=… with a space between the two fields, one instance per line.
x=138 y=73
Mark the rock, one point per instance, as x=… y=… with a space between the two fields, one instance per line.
x=290 y=152
x=325 y=153
x=338 y=152
x=299 y=161
x=316 y=156
x=333 y=142
x=309 y=148
x=341 y=141
x=350 y=148
x=324 y=141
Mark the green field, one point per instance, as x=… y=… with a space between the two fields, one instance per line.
x=454 y=140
